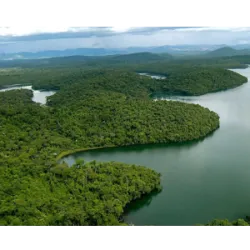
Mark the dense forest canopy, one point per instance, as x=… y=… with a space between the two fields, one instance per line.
x=33 y=136
x=189 y=81
x=88 y=61
x=228 y=51
x=90 y=193
x=226 y=222
x=179 y=79
x=93 y=108
x=130 y=60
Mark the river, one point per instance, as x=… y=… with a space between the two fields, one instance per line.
x=39 y=96
x=201 y=180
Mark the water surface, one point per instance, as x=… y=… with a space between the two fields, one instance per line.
x=159 y=77
x=39 y=96
x=201 y=180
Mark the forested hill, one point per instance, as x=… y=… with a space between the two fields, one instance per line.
x=92 y=109
x=89 y=61
x=227 y=52
x=222 y=52
x=180 y=80
x=191 y=81
x=36 y=190
x=202 y=81
x=223 y=58
x=175 y=50
x=140 y=57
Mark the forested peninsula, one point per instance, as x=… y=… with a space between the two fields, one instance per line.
x=180 y=80
x=93 y=108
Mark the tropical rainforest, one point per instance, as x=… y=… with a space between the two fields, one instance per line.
x=94 y=107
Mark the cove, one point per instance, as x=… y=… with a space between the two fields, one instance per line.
x=201 y=180
x=39 y=96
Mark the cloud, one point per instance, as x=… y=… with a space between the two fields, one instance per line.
x=225 y=27
x=13 y=39
x=29 y=34
x=24 y=30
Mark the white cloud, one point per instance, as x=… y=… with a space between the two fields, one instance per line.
x=29 y=30
x=231 y=29
x=54 y=28
x=22 y=30
x=120 y=29
x=117 y=37
x=130 y=27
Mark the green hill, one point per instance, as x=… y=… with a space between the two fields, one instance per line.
x=140 y=57
x=92 y=109
x=228 y=51
x=37 y=190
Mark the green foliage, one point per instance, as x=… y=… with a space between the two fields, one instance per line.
x=240 y=222
x=108 y=118
x=35 y=190
x=228 y=51
x=77 y=119
x=182 y=81
x=190 y=76
x=202 y=81
x=93 y=108
x=225 y=222
x=86 y=194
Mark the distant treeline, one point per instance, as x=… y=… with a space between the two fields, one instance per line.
x=181 y=79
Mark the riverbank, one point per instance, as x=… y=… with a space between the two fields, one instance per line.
x=69 y=152
x=39 y=96
x=195 y=175
x=32 y=137
x=74 y=151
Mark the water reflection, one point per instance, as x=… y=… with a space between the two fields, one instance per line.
x=145 y=201
x=104 y=153
x=201 y=180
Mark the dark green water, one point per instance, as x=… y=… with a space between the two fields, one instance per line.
x=203 y=180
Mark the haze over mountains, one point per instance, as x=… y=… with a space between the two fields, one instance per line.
x=175 y=50
x=228 y=51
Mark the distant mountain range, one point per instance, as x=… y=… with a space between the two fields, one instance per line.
x=91 y=61
x=228 y=51
x=175 y=50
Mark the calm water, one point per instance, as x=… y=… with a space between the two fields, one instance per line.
x=203 y=180
x=153 y=76
x=38 y=95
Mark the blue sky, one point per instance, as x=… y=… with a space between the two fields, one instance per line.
x=53 y=38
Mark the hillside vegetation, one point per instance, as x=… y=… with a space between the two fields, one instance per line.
x=225 y=222
x=180 y=80
x=223 y=58
x=189 y=81
x=37 y=190
x=92 y=108
x=228 y=51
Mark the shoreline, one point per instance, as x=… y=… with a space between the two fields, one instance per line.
x=78 y=150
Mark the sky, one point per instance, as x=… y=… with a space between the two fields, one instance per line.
x=19 y=39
